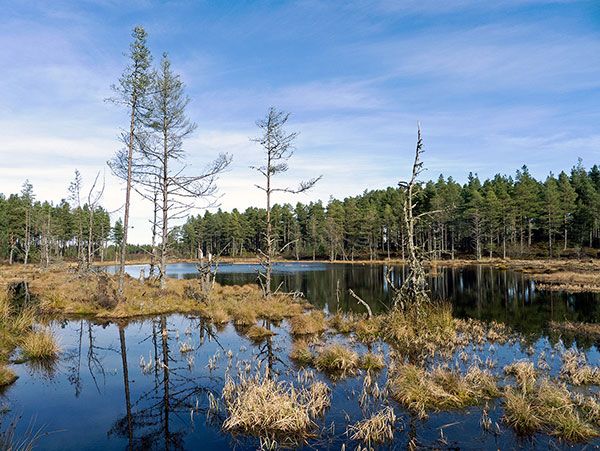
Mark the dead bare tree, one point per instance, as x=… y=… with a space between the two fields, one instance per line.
x=161 y=174
x=278 y=146
x=75 y=196
x=178 y=192
x=414 y=289
x=27 y=198
x=93 y=198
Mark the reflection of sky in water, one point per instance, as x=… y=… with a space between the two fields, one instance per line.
x=81 y=400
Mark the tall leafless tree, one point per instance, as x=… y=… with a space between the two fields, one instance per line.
x=132 y=92
x=278 y=147
x=414 y=290
x=75 y=196
x=162 y=173
x=94 y=196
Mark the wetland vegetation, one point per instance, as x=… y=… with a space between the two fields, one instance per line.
x=236 y=369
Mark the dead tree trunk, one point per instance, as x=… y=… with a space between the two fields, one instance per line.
x=414 y=288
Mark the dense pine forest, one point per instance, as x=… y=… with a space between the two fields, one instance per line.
x=504 y=216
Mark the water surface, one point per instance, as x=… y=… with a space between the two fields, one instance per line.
x=129 y=386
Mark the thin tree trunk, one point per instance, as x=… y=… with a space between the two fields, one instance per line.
x=127 y=202
x=165 y=211
x=126 y=385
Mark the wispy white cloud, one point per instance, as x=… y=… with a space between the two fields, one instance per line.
x=493 y=91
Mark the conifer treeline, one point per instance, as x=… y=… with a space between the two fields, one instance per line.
x=504 y=216
x=43 y=232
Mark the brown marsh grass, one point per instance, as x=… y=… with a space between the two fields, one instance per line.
x=63 y=291
x=420 y=331
x=300 y=353
x=263 y=407
x=308 y=323
x=40 y=344
x=377 y=429
x=587 y=329
x=7 y=376
x=372 y=362
x=440 y=389
x=258 y=333
x=576 y=371
x=524 y=373
x=571 y=281
x=552 y=409
x=337 y=361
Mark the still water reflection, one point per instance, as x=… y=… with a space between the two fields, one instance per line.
x=475 y=291
x=147 y=384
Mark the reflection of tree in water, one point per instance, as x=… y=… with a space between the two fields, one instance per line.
x=94 y=360
x=174 y=398
x=266 y=352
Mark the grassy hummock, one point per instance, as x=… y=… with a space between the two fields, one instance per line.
x=337 y=361
x=264 y=407
x=258 y=333
x=552 y=409
x=377 y=429
x=7 y=376
x=40 y=344
x=420 y=390
x=308 y=324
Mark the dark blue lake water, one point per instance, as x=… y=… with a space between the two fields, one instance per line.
x=98 y=397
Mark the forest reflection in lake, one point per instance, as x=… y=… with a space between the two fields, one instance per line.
x=476 y=291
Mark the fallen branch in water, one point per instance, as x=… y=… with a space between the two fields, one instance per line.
x=355 y=296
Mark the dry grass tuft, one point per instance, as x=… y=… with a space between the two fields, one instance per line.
x=519 y=413
x=420 y=331
x=258 y=333
x=344 y=324
x=7 y=376
x=263 y=407
x=301 y=353
x=317 y=399
x=308 y=323
x=379 y=428
x=440 y=389
x=337 y=361
x=576 y=371
x=552 y=409
x=243 y=315
x=368 y=330
x=40 y=344
x=372 y=362
x=524 y=373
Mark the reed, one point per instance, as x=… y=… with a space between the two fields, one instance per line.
x=40 y=344
x=377 y=429
x=576 y=371
x=308 y=323
x=337 y=361
x=263 y=407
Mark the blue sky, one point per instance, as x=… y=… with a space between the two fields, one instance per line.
x=495 y=85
